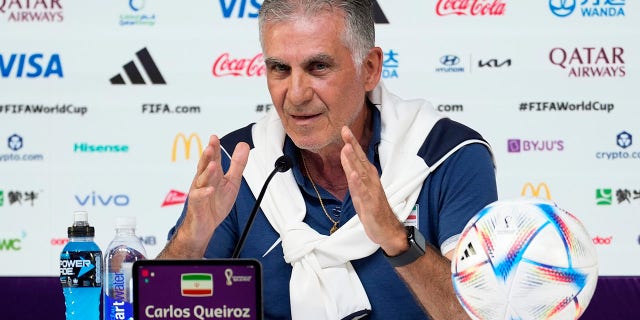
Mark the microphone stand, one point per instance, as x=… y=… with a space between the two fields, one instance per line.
x=283 y=163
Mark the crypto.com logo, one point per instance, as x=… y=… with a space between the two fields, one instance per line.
x=624 y=139
x=535 y=191
x=15 y=142
x=187 y=145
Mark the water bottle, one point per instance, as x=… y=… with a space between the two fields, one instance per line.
x=123 y=251
x=81 y=271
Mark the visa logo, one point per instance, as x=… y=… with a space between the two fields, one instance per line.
x=240 y=6
x=30 y=65
x=95 y=199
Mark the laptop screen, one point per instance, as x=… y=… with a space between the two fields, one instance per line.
x=197 y=289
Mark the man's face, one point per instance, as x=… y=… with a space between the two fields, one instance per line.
x=313 y=81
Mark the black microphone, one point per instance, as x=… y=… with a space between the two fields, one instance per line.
x=282 y=164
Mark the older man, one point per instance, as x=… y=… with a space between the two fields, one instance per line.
x=340 y=234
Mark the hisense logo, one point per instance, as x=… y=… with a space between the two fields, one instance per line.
x=99 y=148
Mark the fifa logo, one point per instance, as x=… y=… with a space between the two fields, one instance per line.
x=535 y=191
x=186 y=141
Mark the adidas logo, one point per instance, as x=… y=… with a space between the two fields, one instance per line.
x=133 y=73
x=378 y=15
x=469 y=251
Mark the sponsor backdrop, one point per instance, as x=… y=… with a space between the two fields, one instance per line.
x=106 y=105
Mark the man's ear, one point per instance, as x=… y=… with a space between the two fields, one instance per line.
x=372 y=68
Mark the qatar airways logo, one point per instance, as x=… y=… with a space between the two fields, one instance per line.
x=32 y=11
x=226 y=65
x=470 y=7
x=590 y=62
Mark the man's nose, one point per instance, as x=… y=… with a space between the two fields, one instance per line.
x=300 y=90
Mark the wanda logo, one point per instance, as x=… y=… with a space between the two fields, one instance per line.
x=249 y=67
x=470 y=7
x=602 y=241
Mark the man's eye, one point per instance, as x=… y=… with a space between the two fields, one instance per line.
x=320 y=66
x=279 y=68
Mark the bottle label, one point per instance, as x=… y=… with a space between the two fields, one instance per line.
x=117 y=309
x=80 y=269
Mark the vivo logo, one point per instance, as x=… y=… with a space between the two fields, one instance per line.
x=94 y=199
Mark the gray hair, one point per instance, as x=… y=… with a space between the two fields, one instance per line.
x=359 y=35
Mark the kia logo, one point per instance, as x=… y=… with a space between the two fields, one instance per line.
x=449 y=60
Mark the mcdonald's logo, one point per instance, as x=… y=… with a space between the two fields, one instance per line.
x=187 y=145
x=535 y=191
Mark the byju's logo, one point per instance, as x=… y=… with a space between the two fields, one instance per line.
x=250 y=8
x=30 y=65
x=32 y=11
x=588 y=8
x=590 y=62
x=133 y=73
x=390 y=65
x=624 y=140
x=450 y=63
x=518 y=145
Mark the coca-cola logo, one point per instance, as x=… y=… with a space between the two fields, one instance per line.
x=250 y=67
x=602 y=241
x=470 y=7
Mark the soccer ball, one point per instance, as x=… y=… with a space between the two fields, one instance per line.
x=524 y=258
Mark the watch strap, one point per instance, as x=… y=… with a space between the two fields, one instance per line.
x=416 y=249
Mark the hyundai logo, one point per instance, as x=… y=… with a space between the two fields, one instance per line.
x=449 y=60
x=624 y=139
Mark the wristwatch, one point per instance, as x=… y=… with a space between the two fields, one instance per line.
x=416 y=249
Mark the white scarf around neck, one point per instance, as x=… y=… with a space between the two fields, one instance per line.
x=324 y=284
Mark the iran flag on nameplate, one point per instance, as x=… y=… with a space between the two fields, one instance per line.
x=196 y=284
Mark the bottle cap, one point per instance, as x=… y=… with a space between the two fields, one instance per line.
x=125 y=222
x=80 y=227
